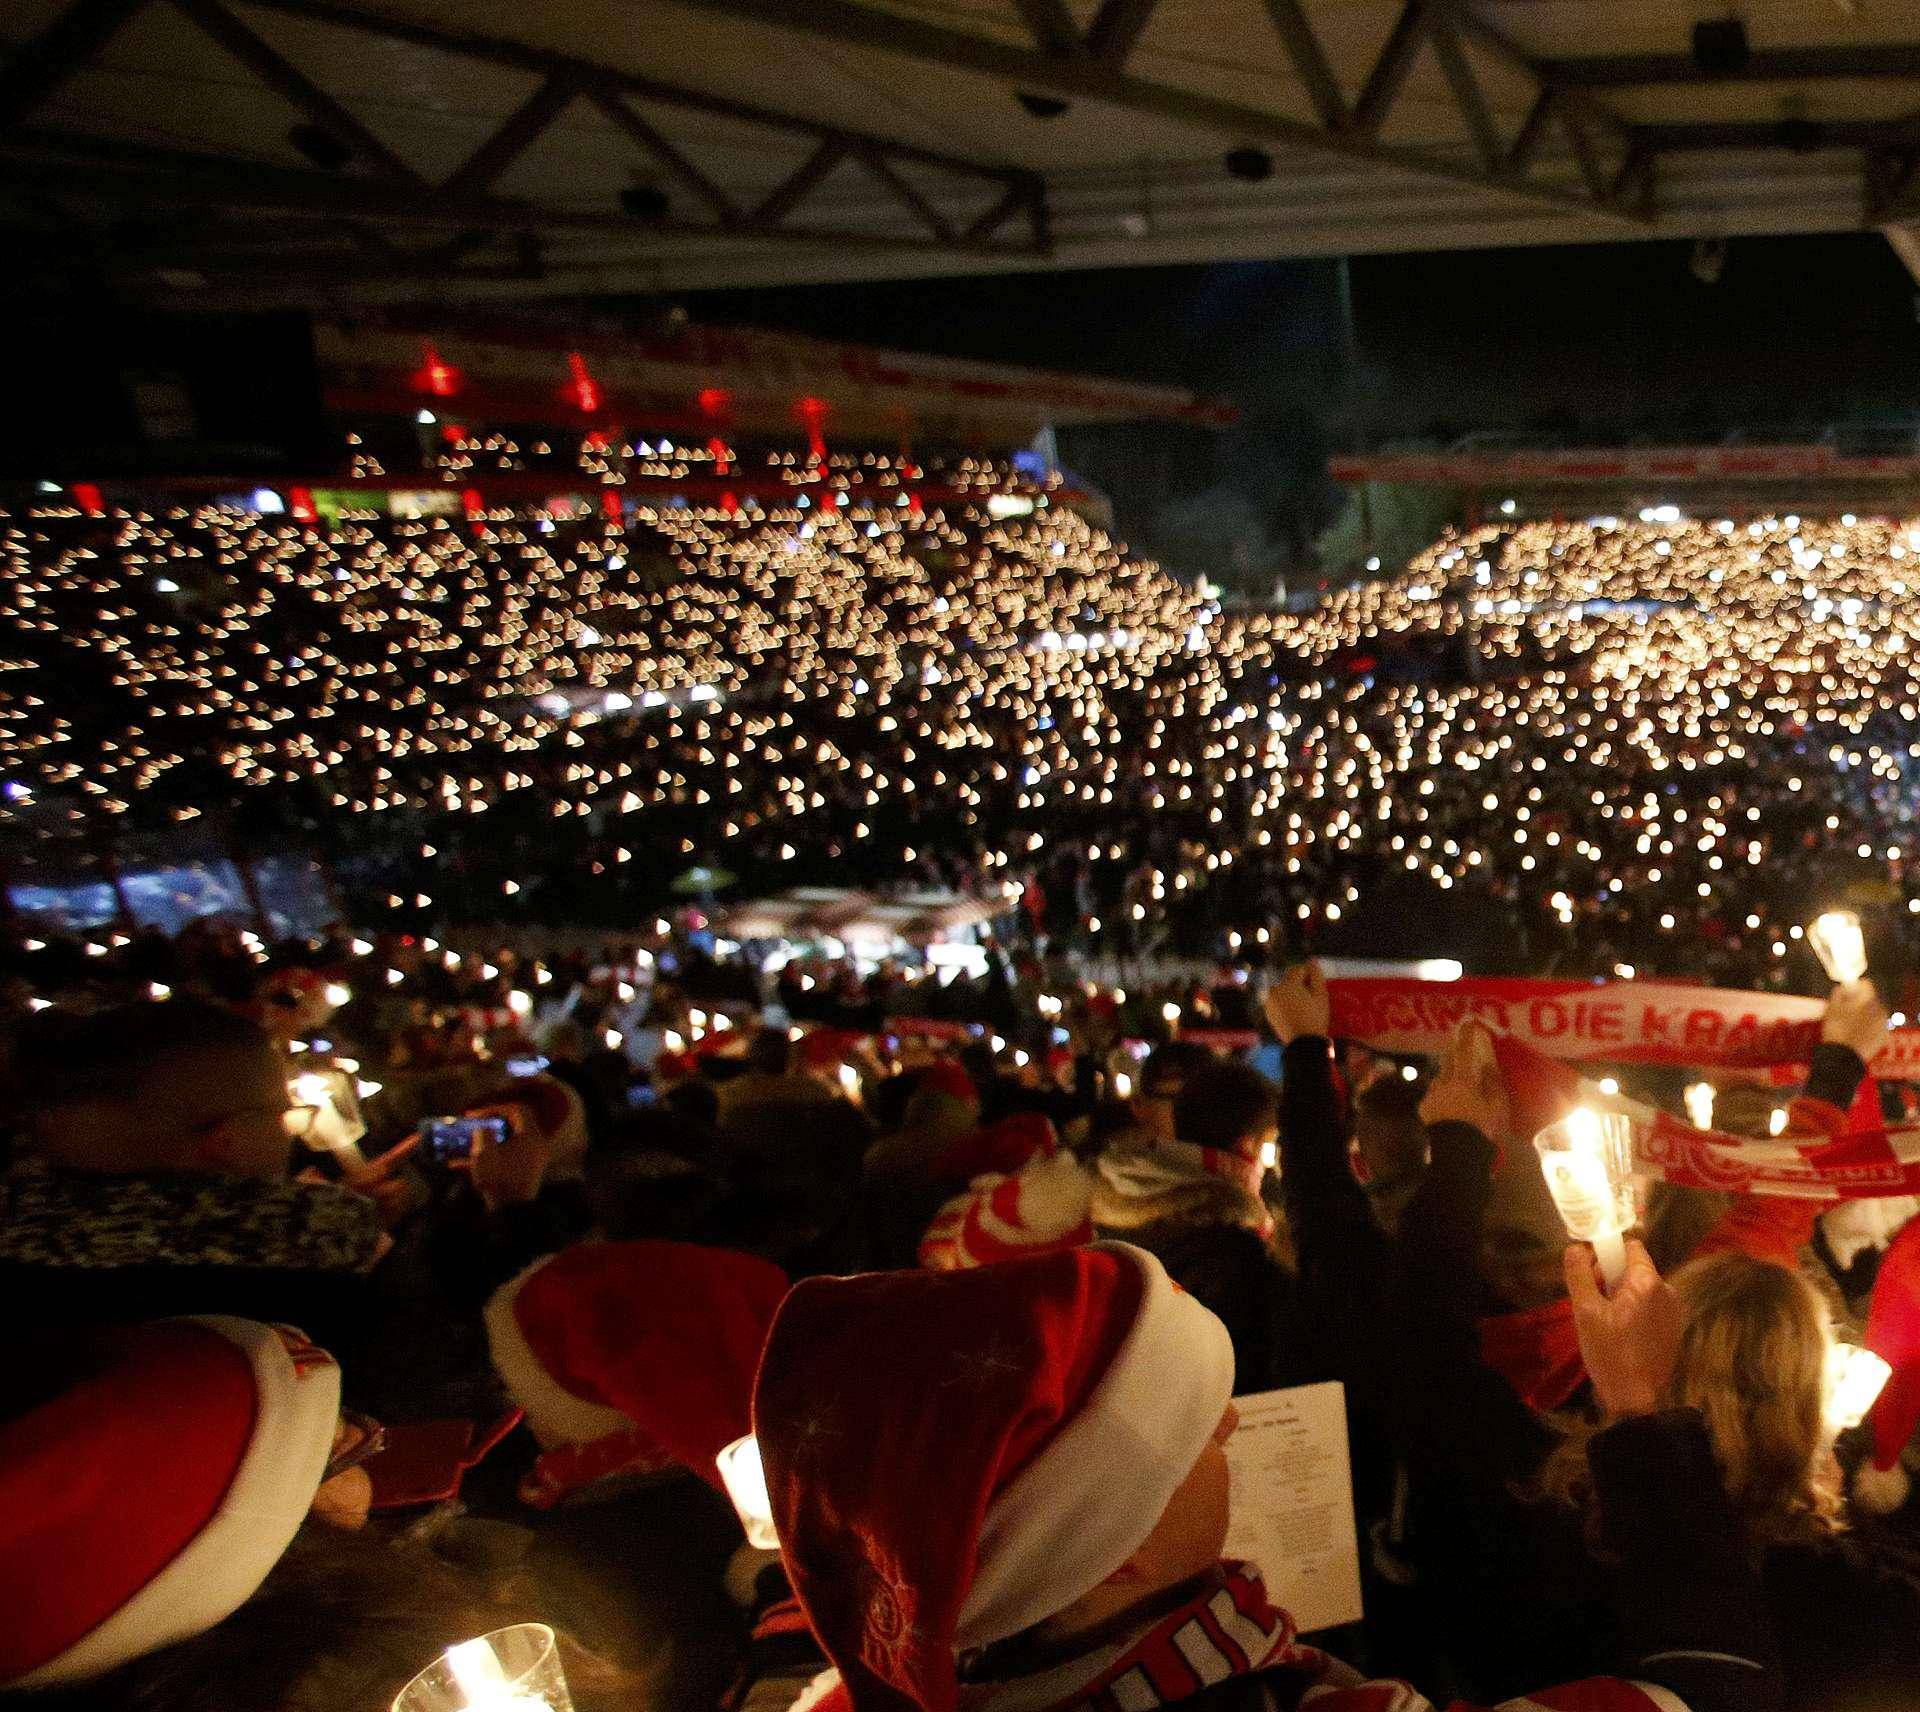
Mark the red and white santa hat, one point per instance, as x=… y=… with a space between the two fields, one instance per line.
x=146 y=1498
x=632 y=1355
x=1035 y=1420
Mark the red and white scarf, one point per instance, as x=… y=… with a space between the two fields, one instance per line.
x=1614 y=1022
x=1230 y=1628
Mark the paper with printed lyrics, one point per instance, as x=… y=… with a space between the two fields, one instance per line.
x=1291 y=1488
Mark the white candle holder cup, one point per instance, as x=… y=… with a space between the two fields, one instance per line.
x=1841 y=945
x=1587 y=1159
x=1855 y=1379
x=745 y=1478
x=510 y=1670
x=337 y=1125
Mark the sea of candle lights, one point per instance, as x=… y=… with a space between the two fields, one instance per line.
x=1676 y=740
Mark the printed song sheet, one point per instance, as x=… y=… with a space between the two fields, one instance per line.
x=1292 y=1498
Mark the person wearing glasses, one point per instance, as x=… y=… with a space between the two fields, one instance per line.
x=155 y=1177
x=185 y=1508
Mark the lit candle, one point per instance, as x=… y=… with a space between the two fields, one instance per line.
x=1586 y=1158
x=745 y=1478
x=511 y=1670
x=1699 y=1098
x=337 y=1125
x=1855 y=1379
x=1839 y=943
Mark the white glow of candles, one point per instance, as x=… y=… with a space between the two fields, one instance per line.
x=850 y=1081
x=1777 y=1121
x=1587 y=1160
x=745 y=1478
x=511 y=1670
x=337 y=1125
x=338 y=994
x=519 y=1003
x=1855 y=1379
x=1122 y=1085
x=1699 y=1098
x=1840 y=944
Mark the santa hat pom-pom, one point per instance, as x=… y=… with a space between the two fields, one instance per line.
x=1881 y=1491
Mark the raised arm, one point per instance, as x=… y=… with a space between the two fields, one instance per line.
x=1693 y=1613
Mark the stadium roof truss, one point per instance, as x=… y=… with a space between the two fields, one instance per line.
x=407 y=149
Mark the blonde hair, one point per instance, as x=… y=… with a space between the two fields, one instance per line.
x=1753 y=1362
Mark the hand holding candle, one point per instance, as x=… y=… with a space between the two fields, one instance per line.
x=1629 y=1334
x=1587 y=1158
x=336 y=1126
x=1855 y=1018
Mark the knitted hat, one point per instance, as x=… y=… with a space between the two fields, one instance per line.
x=1044 y=1206
x=632 y=1355
x=148 y=1496
x=1035 y=1421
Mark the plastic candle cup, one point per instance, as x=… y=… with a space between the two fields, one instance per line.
x=1855 y=1379
x=337 y=1124
x=1587 y=1158
x=1839 y=943
x=745 y=1478
x=510 y=1670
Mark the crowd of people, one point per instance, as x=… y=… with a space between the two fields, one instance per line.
x=1589 y=745
x=983 y=1319
x=384 y=1289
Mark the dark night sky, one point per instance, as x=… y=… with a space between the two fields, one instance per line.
x=1606 y=344
x=1799 y=330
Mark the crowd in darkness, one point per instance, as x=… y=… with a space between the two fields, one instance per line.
x=980 y=1259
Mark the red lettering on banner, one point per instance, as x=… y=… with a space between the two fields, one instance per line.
x=1640 y=1022
x=1740 y=1040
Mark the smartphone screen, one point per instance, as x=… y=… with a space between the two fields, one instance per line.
x=450 y=1139
x=525 y=1066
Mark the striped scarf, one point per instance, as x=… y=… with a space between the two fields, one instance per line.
x=1229 y=1628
